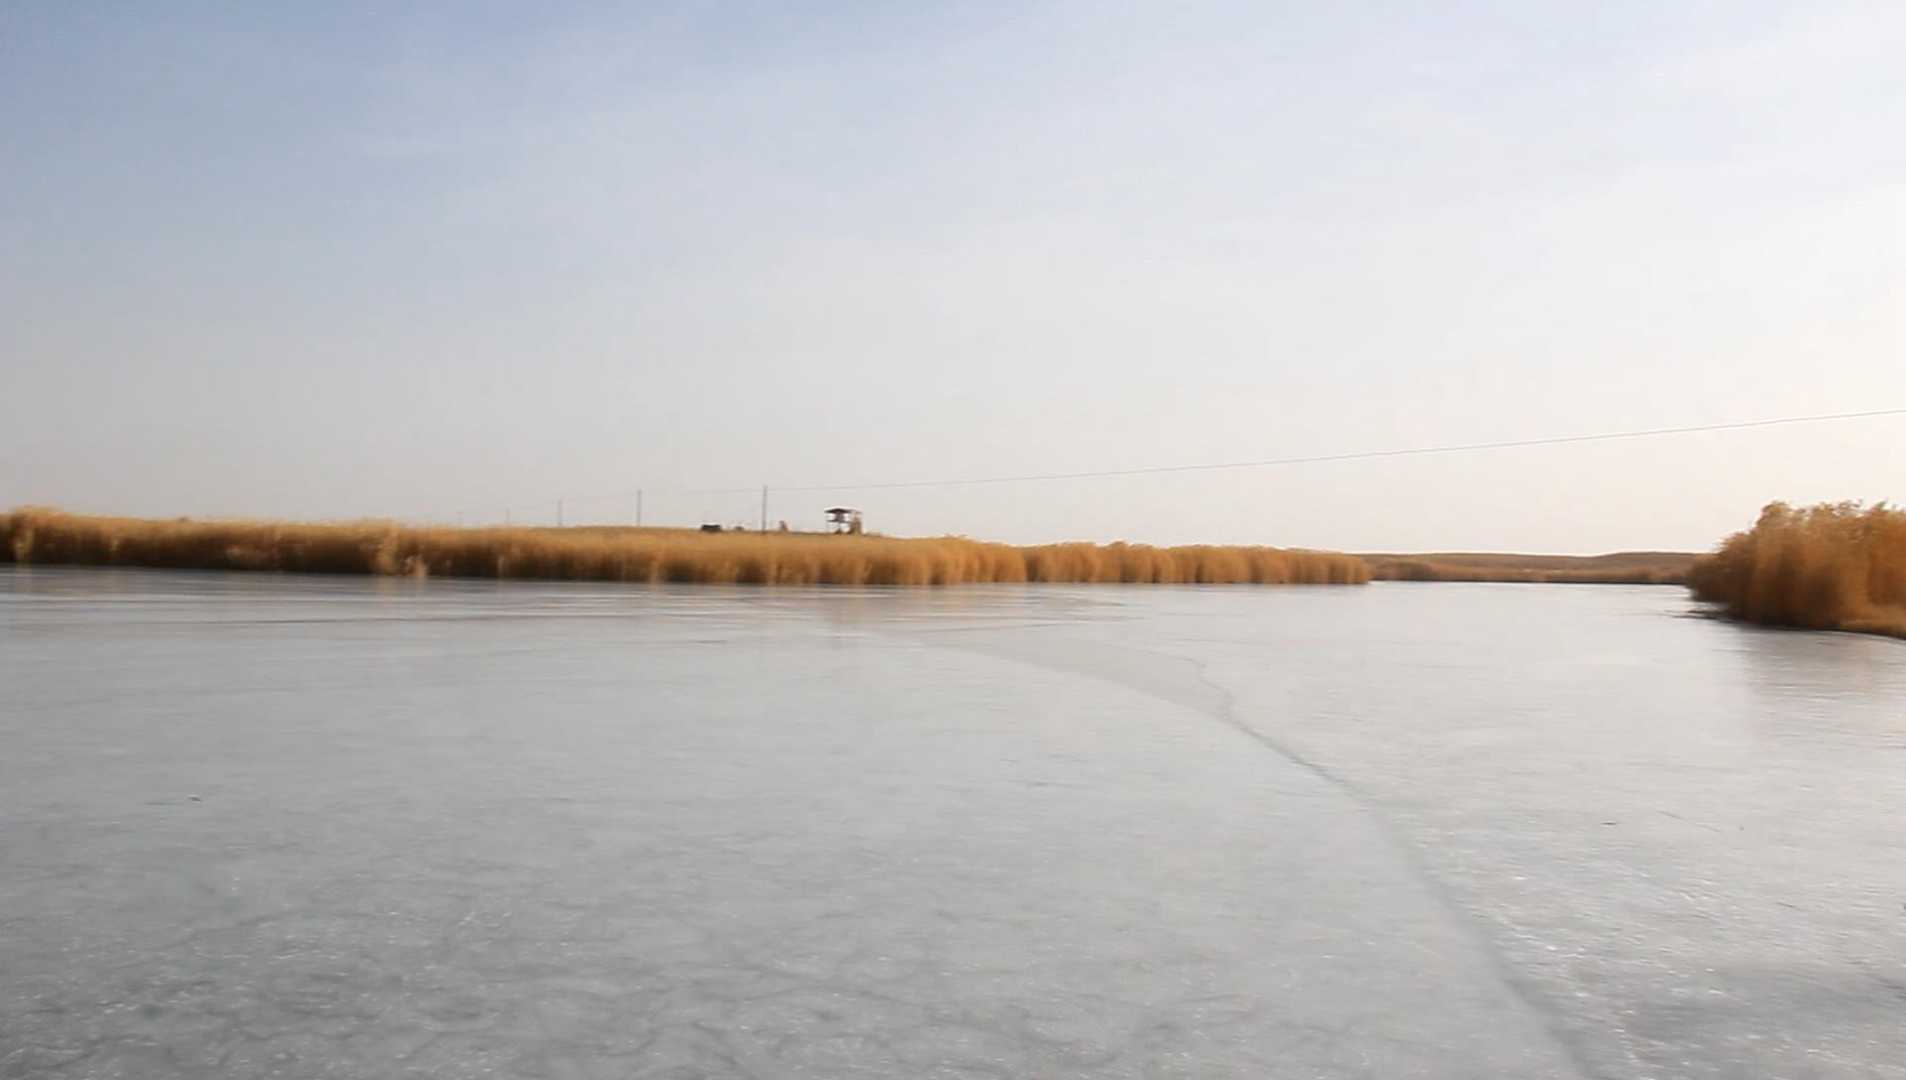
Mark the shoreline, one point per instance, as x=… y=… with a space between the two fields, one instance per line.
x=681 y=556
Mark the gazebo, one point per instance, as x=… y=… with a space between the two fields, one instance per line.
x=844 y=519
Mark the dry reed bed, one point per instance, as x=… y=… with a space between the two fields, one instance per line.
x=639 y=555
x=1836 y=566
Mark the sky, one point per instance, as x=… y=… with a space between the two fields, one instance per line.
x=467 y=262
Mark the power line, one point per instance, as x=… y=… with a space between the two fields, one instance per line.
x=634 y=494
x=1360 y=455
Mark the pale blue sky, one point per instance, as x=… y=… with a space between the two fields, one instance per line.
x=354 y=262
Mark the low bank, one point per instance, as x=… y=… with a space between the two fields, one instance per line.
x=1618 y=568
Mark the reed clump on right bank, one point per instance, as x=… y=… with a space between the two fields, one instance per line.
x=1835 y=566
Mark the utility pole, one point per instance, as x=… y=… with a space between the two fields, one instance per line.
x=638 y=508
x=764 y=508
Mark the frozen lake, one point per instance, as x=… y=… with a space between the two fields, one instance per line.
x=297 y=827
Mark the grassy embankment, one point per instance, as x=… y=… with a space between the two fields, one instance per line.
x=1836 y=566
x=1621 y=568
x=641 y=555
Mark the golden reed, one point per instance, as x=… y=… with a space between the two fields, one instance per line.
x=1836 y=566
x=39 y=536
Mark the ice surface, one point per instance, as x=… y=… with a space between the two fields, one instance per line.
x=272 y=826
